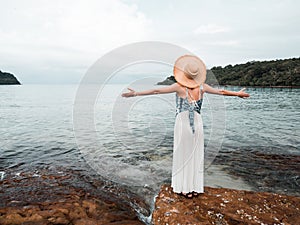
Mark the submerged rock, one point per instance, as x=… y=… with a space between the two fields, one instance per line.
x=225 y=206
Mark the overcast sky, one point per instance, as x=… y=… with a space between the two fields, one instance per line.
x=56 y=41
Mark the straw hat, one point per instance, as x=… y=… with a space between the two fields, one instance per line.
x=189 y=71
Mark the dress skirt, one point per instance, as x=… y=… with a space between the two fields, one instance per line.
x=188 y=155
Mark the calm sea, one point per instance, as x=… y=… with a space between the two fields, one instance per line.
x=257 y=138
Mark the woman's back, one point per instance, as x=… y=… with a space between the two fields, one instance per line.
x=190 y=104
x=192 y=94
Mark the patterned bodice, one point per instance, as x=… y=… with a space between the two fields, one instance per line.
x=182 y=104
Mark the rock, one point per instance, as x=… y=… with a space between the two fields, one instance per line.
x=168 y=81
x=8 y=79
x=40 y=203
x=225 y=206
x=86 y=222
x=81 y=211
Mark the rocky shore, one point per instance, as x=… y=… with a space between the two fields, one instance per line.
x=45 y=199
x=224 y=206
x=73 y=209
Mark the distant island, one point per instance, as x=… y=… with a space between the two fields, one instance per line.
x=275 y=73
x=8 y=79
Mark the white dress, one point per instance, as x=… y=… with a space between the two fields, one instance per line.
x=188 y=148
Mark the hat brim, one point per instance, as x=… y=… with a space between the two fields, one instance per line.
x=180 y=75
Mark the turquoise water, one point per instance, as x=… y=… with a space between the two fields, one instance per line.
x=259 y=140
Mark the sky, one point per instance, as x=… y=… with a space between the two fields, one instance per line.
x=56 y=41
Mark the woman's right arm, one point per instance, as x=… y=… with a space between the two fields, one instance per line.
x=162 y=90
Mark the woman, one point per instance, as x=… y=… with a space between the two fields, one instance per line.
x=188 y=150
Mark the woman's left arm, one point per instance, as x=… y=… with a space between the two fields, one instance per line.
x=162 y=90
x=211 y=90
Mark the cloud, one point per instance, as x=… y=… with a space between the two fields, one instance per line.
x=66 y=34
x=224 y=43
x=210 y=29
x=40 y=38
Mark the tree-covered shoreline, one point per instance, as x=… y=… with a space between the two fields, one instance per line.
x=275 y=73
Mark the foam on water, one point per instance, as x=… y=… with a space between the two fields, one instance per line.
x=2 y=174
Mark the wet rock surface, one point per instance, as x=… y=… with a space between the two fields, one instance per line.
x=51 y=199
x=266 y=170
x=226 y=206
x=74 y=209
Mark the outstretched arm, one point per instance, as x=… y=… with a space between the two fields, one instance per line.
x=162 y=90
x=211 y=90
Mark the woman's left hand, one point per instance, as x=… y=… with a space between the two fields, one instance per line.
x=132 y=93
x=243 y=94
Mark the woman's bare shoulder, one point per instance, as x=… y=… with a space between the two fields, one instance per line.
x=179 y=87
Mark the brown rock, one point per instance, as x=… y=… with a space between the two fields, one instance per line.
x=59 y=220
x=225 y=206
x=64 y=211
x=60 y=199
x=77 y=213
x=91 y=207
x=13 y=218
x=86 y=222
x=80 y=211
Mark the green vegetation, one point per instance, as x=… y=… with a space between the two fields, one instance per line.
x=283 y=72
x=8 y=79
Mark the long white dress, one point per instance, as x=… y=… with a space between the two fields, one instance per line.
x=188 y=148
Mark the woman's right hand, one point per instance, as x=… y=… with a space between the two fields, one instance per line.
x=243 y=94
x=131 y=93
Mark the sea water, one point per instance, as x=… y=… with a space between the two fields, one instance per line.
x=257 y=138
